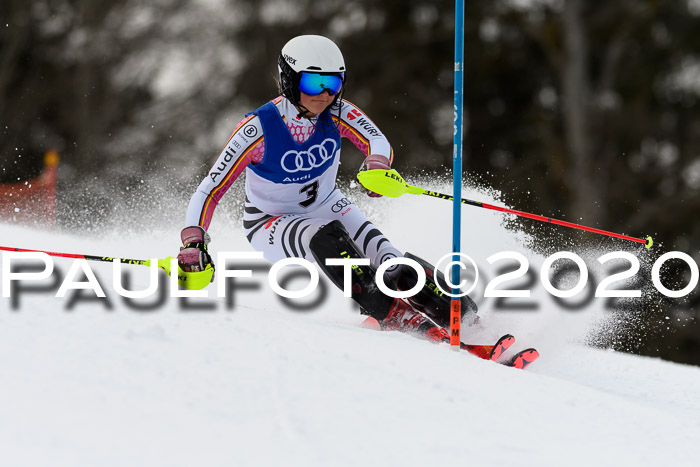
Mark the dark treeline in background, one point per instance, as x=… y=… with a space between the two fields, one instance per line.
x=578 y=109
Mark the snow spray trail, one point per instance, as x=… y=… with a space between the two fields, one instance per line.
x=416 y=224
x=259 y=384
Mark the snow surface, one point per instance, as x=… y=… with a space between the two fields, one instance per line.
x=257 y=384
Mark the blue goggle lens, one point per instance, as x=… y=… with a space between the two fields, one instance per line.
x=314 y=84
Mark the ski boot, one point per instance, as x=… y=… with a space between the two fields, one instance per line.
x=404 y=318
x=431 y=300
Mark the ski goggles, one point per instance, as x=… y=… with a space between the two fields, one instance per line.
x=314 y=84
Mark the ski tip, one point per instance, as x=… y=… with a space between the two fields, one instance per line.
x=371 y=323
x=523 y=359
x=501 y=346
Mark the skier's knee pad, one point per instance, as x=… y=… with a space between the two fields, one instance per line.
x=334 y=241
x=430 y=299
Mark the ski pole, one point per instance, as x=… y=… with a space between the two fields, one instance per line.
x=189 y=280
x=390 y=183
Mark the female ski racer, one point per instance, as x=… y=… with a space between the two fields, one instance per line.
x=290 y=151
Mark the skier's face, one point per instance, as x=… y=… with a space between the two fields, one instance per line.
x=316 y=104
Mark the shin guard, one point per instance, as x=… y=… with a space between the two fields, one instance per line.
x=333 y=241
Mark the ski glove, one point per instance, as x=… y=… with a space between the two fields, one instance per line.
x=194 y=256
x=375 y=161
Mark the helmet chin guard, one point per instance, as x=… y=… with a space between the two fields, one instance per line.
x=314 y=54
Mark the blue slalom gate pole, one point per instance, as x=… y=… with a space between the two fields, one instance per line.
x=455 y=312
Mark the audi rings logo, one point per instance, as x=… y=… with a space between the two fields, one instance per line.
x=340 y=205
x=305 y=161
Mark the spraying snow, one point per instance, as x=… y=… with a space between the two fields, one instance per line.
x=248 y=381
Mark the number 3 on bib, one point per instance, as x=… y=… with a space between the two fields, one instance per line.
x=311 y=191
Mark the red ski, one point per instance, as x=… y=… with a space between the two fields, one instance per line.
x=490 y=352
x=523 y=358
x=487 y=352
x=493 y=352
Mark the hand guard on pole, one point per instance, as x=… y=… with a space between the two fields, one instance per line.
x=194 y=254
x=371 y=162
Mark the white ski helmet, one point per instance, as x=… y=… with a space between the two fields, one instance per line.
x=314 y=54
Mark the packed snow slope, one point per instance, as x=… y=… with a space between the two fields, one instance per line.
x=87 y=382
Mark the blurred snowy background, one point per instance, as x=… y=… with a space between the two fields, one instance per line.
x=573 y=109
